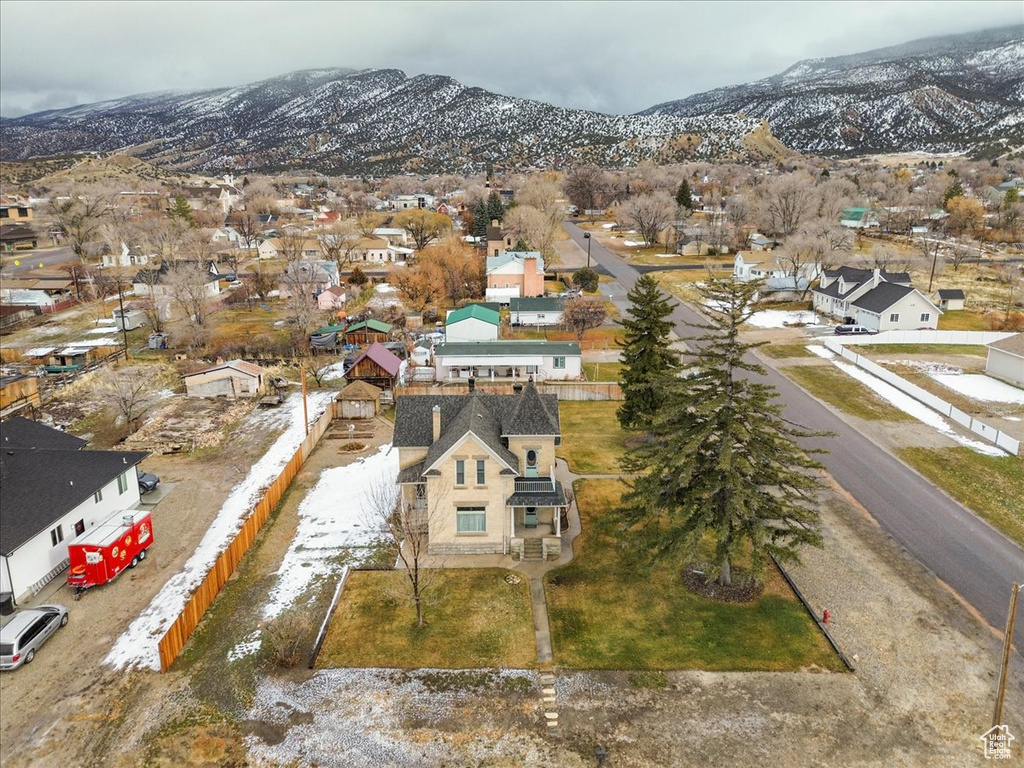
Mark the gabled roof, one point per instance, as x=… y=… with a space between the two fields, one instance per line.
x=41 y=486
x=473 y=311
x=526 y=413
x=359 y=390
x=951 y=293
x=1012 y=344
x=536 y=304
x=17 y=432
x=382 y=356
x=474 y=417
x=249 y=369
x=509 y=348
x=516 y=257
x=369 y=325
x=884 y=295
x=329 y=329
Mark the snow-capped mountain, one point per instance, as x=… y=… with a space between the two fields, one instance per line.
x=943 y=94
x=371 y=121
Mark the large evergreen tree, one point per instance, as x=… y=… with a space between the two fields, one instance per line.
x=480 y=220
x=495 y=208
x=684 y=197
x=720 y=464
x=646 y=356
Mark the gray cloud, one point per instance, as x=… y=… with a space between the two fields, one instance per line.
x=610 y=57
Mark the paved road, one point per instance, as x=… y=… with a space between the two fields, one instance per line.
x=25 y=261
x=971 y=557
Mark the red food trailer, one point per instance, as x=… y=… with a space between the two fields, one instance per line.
x=106 y=549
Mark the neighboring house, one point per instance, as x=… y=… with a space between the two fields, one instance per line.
x=332 y=298
x=759 y=242
x=858 y=218
x=421 y=352
x=517 y=360
x=272 y=249
x=777 y=277
x=10 y=214
x=378 y=250
x=471 y=323
x=153 y=283
x=409 y=202
x=309 y=277
x=894 y=307
x=394 y=235
x=359 y=400
x=498 y=240
x=367 y=332
x=17 y=237
x=951 y=298
x=481 y=470
x=233 y=379
x=127 y=258
x=515 y=274
x=52 y=492
x=839 y=288
x=378 y=366
x=536 y=311
x=44 y=291
x=1006 y=360
x=18 y=393
x=227 y=235
x=224 y=195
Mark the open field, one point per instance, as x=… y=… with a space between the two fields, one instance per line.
x=607 y=613
x=476 y=618
x=781 y=351
x=836 y=388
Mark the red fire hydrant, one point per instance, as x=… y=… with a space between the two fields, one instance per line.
x=826 y=617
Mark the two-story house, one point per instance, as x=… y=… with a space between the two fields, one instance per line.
x=840 y=288
x=480 y=468
x=514 y=274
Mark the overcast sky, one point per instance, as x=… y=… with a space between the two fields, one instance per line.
x=606 y=56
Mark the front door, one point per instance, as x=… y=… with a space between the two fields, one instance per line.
x=531 y=463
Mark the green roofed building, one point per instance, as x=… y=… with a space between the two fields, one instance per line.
x=473 y=322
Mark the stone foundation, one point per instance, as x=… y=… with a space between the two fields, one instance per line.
x=468 y=548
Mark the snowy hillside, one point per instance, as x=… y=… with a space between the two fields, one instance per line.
x=370 y=121
x=959 y=93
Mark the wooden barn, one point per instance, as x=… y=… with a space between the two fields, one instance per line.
x=378 y=366
x=367 y=332
x=359 y=400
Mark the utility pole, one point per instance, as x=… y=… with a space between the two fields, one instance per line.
x=124 y=327
x=1004 y=667
x=305 y=407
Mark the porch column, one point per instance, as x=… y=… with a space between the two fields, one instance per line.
x=512 y=518
x=558 y=521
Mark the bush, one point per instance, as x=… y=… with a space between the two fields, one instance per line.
x=585 y=279
x=284 y=637
x=358 y=277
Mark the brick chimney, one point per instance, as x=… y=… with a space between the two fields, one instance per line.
x=436 y=415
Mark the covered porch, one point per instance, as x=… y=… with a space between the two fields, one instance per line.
x=535 y=518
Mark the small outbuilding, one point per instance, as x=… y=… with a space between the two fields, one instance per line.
x=359 y=400
x=378 y=366
x=951 y=298
x=367 y=332
x=233 y=379
x=473 y=322
x=1006 y=360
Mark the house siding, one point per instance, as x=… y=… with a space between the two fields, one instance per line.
x=470 y=329
x=909 y=308
x=1006 y=366
x=35 y=558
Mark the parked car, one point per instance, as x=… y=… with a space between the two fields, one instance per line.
x=27 y=631
x=147 y=481
x=851 y=330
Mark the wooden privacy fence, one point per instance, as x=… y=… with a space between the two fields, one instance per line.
x=181 y=630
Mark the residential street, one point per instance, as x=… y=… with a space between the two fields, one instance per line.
x=37 y=259
x=964 y=552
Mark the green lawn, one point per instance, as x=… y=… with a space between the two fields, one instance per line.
x=869 y=350
x=479 y=620
x=778 y=351
x=847 y=394
x=993 y=486
x=962 y=320
x=592 y=440
x=602 y=371
x=605 y=614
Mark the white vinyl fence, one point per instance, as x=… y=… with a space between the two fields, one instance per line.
x=925 y=337
x=980 y=428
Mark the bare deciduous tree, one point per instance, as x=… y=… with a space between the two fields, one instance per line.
x=888 y=258
x=650 y=214
x=588 y=188
x=580 y=315
x=187 y=286
x=785 y=201
x=80 y=213
x=423 y=226
x=128 y=390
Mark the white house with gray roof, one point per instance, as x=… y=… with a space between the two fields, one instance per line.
x=1006 y=360
x=480 y=470
x=840 y=288
x=536 y=311
x=892 y=307
x=508 y=360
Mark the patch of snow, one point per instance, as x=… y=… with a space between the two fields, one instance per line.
x=334 y=518
x=926 y=367
x=334 y=372
x=821 y=351
x=912 y=407
x=105 y=321
x=609 y=225
x=666 y=255
x=385 y=288
x=250 y=644
x=137 y=646
x=1011 y=418
x=777 y=318
x=38 y=351
x=98 y=330
x=632 y=243
x=978 y=386
x=49 y=331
